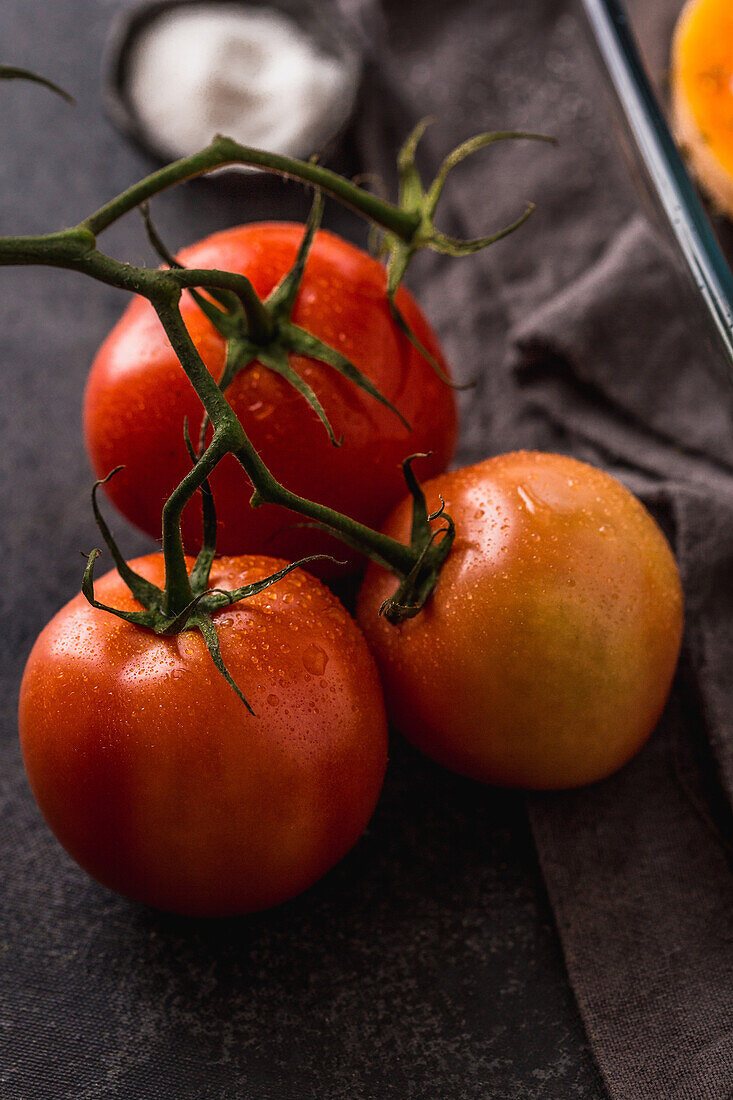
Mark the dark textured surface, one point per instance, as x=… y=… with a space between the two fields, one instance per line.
x=426 y=964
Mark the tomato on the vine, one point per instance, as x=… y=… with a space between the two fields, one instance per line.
x=138 y=397
x=156 y=778
x=544 y=657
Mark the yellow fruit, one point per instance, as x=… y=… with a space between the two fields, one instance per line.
x=702 y=95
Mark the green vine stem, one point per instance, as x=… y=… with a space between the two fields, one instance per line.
x=224 y=151
x=407 y=225
x=254 y=328
x=185 y=602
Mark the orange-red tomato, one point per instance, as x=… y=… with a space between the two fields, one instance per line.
x=545 y=655
x=155 y=777
x=138 y=397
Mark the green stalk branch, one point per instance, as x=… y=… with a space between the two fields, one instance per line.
x=224 y=151
x=178 y=591
x=386 y=551
x=259 y=326
x=407 y=227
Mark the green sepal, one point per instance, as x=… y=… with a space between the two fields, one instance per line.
x=278 y=362
x=465 y=149
x=410 y=185
x=211 y=637
x=420 y=520
x=402 y=324
x=11 y=72
x=451 y=246
x=241 y=308
x=303 y=342
x=281 y=300
x=138 y=618
x=226 y=599
x=225 y=319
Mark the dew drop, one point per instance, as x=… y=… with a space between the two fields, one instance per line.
x=315 y=660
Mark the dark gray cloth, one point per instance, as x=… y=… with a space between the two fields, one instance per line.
x=606 y=362
x=638 y=867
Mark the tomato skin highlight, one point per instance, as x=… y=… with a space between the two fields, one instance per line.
x=137 y=398
x=545 y=655
x=154 y=776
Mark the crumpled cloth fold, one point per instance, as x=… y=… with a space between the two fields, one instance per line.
x=638 y=867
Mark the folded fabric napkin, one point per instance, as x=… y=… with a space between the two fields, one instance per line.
x=638 y=867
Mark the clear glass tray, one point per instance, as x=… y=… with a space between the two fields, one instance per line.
x=671 y=201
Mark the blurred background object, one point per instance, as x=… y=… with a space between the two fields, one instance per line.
x=702 y=95
x=283 y=75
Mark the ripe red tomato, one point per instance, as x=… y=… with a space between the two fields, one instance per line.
x=138 y=396
x=545 y=655
x=157 y=780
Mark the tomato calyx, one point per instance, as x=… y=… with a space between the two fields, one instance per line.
x=263 y=331
x=432 y=546
x=421 y=203
x=416 y=565
x=160 y=614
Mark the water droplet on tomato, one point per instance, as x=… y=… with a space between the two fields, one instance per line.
x=315 y=660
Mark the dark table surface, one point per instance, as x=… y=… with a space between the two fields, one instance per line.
x=426 y=964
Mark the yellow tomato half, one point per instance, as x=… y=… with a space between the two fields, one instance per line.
x=702 y=94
